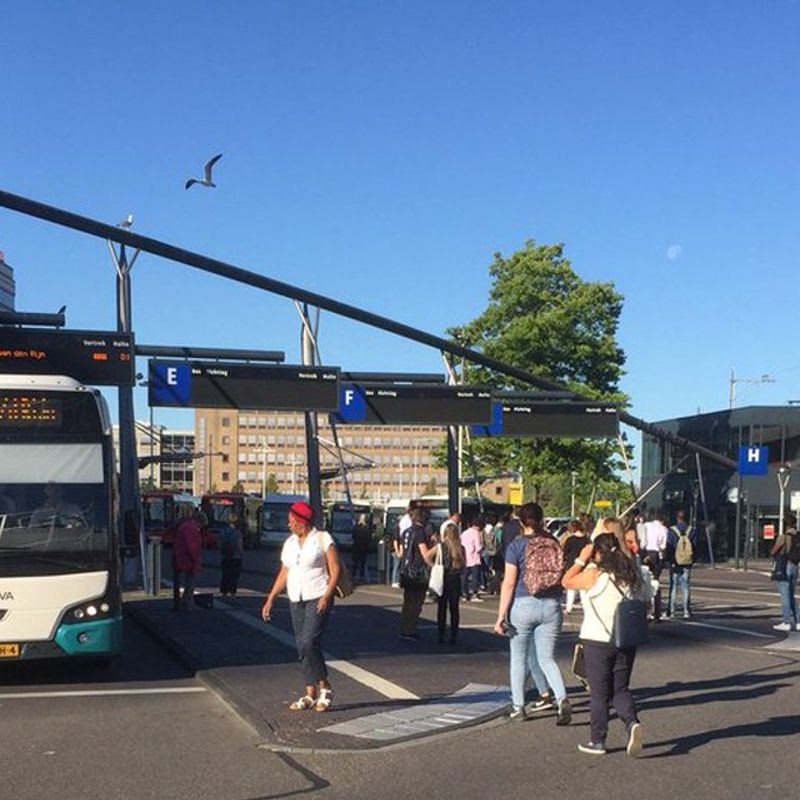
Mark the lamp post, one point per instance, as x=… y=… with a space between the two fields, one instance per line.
x=784 y=473
x=733 y=380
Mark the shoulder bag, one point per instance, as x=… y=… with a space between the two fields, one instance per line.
x=630 y=621
x=436 y=580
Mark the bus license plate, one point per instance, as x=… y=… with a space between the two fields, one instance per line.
x=9 y=651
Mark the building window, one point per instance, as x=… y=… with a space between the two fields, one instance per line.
x=226 y=476
x=226 y=422
x=226 y=440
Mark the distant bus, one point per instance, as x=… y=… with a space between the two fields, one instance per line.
x=275 y=517
x=342 y=518
x=219 y=506
x=59 y=521
x=161 y=510
x=438 y=506
x=395 y=509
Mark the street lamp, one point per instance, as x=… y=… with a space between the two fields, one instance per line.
x=784 y=473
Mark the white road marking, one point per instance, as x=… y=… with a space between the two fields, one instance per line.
x=726 y=628
x=359 y=674
x=103 y=692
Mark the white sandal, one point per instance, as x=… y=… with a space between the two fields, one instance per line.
x=324 y=700
x=303 y=703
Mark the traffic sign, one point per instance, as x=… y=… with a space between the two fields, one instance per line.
x=393 y=404
x=753 y=459
x=96 y=358
x=528 y=414
x=211 y=384
x=769 y=532
x=602 y=504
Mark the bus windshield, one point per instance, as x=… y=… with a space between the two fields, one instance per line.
x=275 y=517
x=53 y=527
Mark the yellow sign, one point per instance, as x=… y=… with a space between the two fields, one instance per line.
x=602 y=504
x=515 y=493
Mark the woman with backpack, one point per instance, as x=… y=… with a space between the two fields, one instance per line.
x=786 y=551
x=530 y=614
x=606 y=575
x=454 y=559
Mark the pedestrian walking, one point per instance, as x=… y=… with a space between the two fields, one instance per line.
x=681 y=547
x=231 y=552
x=309 y=573
x=530 y=615
x=489 y=555
x=362 y=539
x=606 y=575
x=453 y=560
x=415 y=545
x=187 y=555
x=472 y=542
x=654 y=546
x=576 y=540
x=786 y=552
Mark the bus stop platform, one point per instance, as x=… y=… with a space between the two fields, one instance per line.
x=386 y=690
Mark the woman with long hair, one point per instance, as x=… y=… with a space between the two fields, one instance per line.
x=605 y=573
x=454 y=560
x=534 y=563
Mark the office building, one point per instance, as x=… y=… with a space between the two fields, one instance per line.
x=8 y=288
x=244 y=448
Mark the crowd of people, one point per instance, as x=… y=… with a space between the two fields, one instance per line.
x=538 y=577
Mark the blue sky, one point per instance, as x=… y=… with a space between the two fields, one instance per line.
x=380 y=152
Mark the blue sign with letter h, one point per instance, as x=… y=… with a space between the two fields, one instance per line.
x=753 y=460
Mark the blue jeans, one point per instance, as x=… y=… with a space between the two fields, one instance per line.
x=309 y=625
x=395 y=568
x=538 y=623
x=787 y=589
x=679 y=578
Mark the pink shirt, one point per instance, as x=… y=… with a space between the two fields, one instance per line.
x=472 y=544
x=187 y=549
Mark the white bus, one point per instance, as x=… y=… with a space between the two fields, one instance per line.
x=275 y=517
x=60 y=589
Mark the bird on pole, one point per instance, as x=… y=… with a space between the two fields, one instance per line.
x=207 y=179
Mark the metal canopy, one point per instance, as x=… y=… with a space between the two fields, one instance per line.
x=146 y=244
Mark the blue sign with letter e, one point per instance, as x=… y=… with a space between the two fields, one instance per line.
x=753 y=460
x=171 y=383
x=352 y=403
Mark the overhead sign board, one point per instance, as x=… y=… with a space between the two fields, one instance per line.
x=393 y=404
x=211 y=384
x=96 y=358
x=753 y=460
x=526 y=415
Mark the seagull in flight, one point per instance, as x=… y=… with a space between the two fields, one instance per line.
x=206 y=174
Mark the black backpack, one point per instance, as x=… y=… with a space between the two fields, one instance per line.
x=793 y=547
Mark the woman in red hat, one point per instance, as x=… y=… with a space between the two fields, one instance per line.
x=309 y=572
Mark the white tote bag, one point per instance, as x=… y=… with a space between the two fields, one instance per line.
x=436 y=581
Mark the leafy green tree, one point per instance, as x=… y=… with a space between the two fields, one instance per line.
x=271 y=484
x=544 y=318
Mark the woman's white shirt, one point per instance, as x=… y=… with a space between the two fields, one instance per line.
x=307 y=565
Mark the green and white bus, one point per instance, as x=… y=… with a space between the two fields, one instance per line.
x=60 y=592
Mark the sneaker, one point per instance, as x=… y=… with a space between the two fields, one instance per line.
x=410 y=637
x=687 y=615
x=635 y=742
x=395 y=586
x=593 y=749
x=797 y=626
x=542 y=704
x=476 y=599
x=782 y=626
x=564 y=712
x=517 y=714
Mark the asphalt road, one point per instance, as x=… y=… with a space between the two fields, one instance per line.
x=719 y=707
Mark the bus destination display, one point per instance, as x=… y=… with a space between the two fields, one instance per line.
x=392 y=404
x=23 y=411
x=210 y=384
x=521 y=416
x=96 y=358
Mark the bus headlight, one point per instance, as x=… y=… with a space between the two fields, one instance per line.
x=101 y=608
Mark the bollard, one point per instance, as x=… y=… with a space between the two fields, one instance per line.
x=154 y=549
x=381 y=559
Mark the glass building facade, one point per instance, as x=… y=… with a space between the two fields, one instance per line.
x=681 y=481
